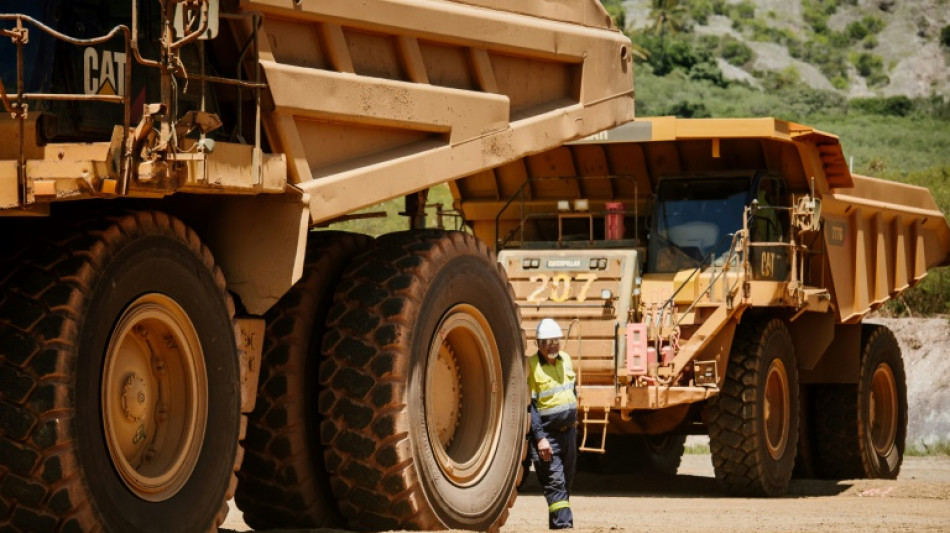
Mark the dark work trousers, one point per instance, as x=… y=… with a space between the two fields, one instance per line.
x=557 y=475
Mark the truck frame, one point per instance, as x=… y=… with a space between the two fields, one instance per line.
x=715 y=274
x=172 y=331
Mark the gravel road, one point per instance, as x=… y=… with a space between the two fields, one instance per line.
x=919 y=500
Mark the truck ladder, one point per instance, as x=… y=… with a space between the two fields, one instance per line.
x=587 y=421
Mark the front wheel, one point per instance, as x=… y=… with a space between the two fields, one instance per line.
x=119 y=339
x=753 y=422
x=424 y=394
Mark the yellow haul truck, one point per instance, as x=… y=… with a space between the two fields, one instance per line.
x=165 y=310
x=714 y=275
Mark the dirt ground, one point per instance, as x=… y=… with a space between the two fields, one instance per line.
x=919 y=500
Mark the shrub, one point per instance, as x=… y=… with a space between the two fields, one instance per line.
x=735 y=51
x=866 y=27
x=945 y=36
x=878 y=79
x=830 y=60
x=720 y=7
x=868 y=64
x=668 y=53
x=873 y=24
x=745 y=10
x=897 y=106
x=700 y=10
x=686 y=109
x=708 y=70
x=930 y=297
x=857 y=30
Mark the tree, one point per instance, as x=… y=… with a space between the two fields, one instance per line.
x=617 y=13
x=670 y=16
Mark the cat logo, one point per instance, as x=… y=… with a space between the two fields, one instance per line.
x=103 y=72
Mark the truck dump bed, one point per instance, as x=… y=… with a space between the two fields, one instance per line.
x=375 y=101
x=880 y=236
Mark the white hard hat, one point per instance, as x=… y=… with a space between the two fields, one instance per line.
x=548 y=329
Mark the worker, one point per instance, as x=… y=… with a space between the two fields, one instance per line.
x=553 y=409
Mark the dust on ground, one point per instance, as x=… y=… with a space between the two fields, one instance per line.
x=919 y=500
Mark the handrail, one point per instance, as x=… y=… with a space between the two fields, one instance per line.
x=16 y=104
x=698 y=268
x=519 y=194
x=20 y=36
x=713 y=279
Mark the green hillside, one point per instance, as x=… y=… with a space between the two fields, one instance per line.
x=683 y=70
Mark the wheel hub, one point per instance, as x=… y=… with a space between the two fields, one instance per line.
x=134 y=398
x=154 y=397
x=776 y=409
x=882 y=412
x=462 y=401
x=446 y=379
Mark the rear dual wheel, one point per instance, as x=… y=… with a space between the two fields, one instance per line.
x=636 y=454
x=861 y=429
x=283 y=483
x=120 y=409
x=424 y=398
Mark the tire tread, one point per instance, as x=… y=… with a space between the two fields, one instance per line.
x=44 y=287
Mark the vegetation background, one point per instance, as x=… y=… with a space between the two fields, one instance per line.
x=874 y=72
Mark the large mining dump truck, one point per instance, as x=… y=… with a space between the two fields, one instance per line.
x=165 y=310
x=713 y=276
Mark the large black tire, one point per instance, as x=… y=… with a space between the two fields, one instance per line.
x=753 y=421
x=425 y=395
x=861 y=429
x=282 y=482
x=120 y=402
x=663 y=453
x=636 y=454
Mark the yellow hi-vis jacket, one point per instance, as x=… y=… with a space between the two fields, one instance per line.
x=552 y=385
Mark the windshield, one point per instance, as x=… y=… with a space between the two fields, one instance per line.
x=693 y=219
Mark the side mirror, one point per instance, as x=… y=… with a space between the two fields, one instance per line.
x=193 y=11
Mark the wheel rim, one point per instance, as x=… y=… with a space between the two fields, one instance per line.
x=776 y=409
x=463 y=395
x=154 y=397
x=883 y=409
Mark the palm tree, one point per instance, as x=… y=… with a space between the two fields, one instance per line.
x=670 y=15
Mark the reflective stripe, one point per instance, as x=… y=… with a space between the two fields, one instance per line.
x=555 y=390
x=563 y=504
x=551 y=385
x=557 y=409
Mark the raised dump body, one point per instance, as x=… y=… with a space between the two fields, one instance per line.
x=163 y=164
x=749 y=256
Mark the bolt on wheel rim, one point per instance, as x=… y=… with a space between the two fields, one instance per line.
x=883 y=409
x=463 y=401
x=776 y=409
x=154 y=397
